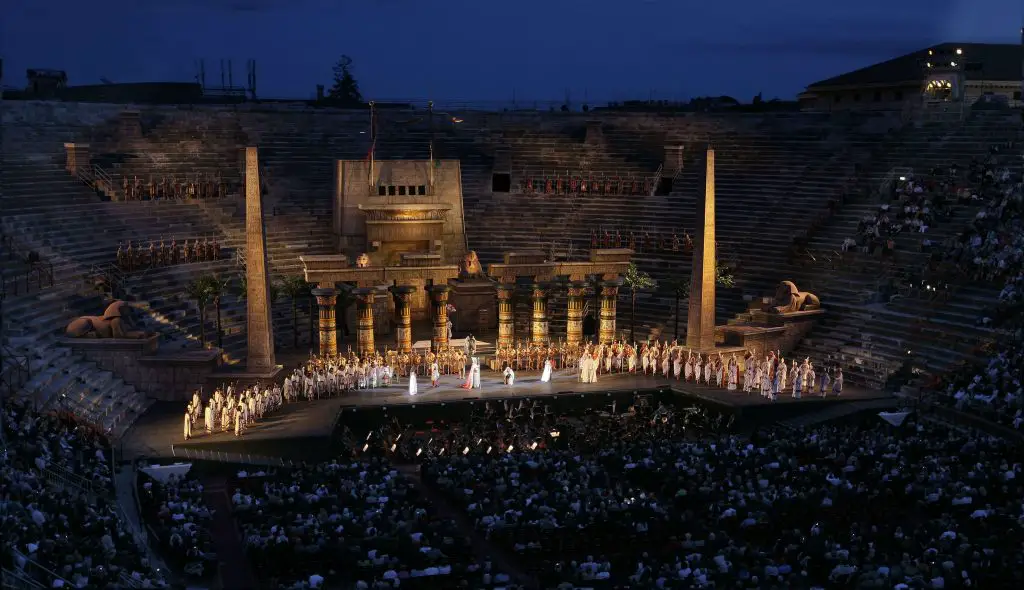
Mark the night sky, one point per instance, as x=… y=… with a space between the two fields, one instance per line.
x=490 y=50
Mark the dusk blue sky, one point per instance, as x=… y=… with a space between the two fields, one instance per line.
x=486 y=50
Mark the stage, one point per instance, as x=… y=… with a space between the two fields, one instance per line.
x=314 y=422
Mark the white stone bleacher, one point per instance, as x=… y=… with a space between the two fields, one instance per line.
x=745 y=189
x=51 y=212
x=176 y=144
x=871 y=340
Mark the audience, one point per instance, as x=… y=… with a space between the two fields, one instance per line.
x=59 y=531
x=176 y=512
x=351 y=523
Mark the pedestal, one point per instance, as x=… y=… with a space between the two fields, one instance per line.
x=326 y=302
x=364 y=331
x=439 y=299
x=539 y=320
x=506 y=316
x=574 y=313
x=609 y=303
x=403 y=313
x=474 y=301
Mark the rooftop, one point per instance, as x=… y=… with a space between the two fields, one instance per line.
x=998 y=62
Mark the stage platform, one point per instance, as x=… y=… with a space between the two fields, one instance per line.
x=154 y=433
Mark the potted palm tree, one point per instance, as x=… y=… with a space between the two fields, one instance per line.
x=200 y=290
x=635 y=280
x=294 y=288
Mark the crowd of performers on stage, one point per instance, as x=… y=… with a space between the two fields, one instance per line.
x=770 y=376
x=231 y=410
x=322 y=377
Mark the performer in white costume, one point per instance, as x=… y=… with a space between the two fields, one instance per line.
x=733 y=377
x=188 y=423
x=412 y=381
x=476 y=372
x=837 y=384
x=510 y=376
x=435 y=374
x=545 y=376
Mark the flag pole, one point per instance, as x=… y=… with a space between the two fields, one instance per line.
x=430 y=117
x=373 y=140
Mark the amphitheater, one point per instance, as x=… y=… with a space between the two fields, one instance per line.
x=779 y=176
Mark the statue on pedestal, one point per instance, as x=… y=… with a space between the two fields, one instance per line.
x=789 y=299
x=471 y=267
x=116 y=322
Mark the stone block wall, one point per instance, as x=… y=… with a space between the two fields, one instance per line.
x=162 y=377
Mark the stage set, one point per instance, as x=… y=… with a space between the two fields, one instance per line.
x=404 y=245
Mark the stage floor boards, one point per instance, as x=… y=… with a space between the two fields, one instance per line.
x=154 y=433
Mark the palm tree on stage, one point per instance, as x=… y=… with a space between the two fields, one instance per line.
x=680 y=287
x=635 y=280
x=219 y=287
x=200 y=290
x=294 y=287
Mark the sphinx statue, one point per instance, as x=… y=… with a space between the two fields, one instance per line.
x=471 y=267
x=363 y=260
x=789 y=299
x=116 y=322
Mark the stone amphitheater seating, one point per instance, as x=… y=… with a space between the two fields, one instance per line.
x=791 y=178
x=873 y=339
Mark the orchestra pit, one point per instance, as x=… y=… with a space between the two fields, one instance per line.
x=291 y=345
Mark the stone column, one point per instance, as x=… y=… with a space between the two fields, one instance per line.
x=700 y=324
x=574 y=313
x=364 y=330
x=439 y=298
x=260 y=329
x=403 y=313
x=609 y=302
x=77 y=157
x=506 y=315
x=326 y=300
x=539 y=320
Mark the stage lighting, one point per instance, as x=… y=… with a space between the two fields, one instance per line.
x=366 y=446
x=952 y=63
x=441 y=452
x=555 y=434
x=369 y=434
x=509 y=449
x=399 y=438
x=419 y=451
x=903 y=178
x=479 y=440
x=959 y=51
x=393 y=447
x=533 y=447
x=465 y=451
x=489 y=450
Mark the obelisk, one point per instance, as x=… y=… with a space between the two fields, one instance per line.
x=260 y=356
x=700 y=326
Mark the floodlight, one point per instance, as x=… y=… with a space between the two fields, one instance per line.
x=959 y=51
x=418 y=451
x=366 y=446
x=465 y=451
x=509 y=449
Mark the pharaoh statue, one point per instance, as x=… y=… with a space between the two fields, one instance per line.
x=471 y=267
x=116 y=322
x=789 y=299
x=363 y=260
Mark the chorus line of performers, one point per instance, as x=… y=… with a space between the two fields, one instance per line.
x=131 y=258
x=642 y=241
x=770 y=376
x=586 y=185
x=151 y=189
x=228 y=410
